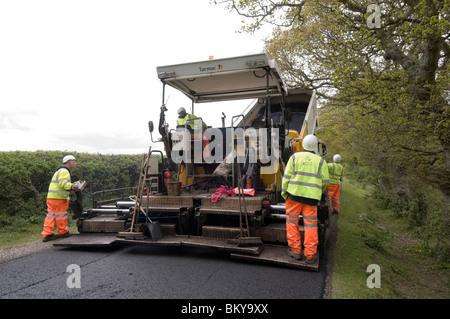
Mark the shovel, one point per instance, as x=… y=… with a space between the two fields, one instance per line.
x=152 y=228
x=244 y=240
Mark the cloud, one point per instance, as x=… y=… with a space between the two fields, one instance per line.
x=105 y=142
x=16 y=120
x=82 y=76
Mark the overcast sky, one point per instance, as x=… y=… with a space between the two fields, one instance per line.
x=81 y=76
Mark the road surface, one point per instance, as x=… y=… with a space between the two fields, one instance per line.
x=152 y=273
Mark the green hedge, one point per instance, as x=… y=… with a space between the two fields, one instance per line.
x=24 y=179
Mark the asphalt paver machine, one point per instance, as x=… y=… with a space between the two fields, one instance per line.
x=216 y=187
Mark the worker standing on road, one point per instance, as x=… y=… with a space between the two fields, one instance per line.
x=336 y=172
x=305 y=176
x=58 y=200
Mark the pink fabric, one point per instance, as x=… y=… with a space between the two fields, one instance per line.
x=223 y=190
x=245 y=191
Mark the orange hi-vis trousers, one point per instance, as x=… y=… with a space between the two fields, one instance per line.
x=57 y=214
x=334 y=192
x=311 y=240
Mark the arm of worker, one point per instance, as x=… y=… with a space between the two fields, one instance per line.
x=286 y=178
x=325 y=176
x=64 y=181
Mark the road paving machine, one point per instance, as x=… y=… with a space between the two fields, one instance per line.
x=215 y=187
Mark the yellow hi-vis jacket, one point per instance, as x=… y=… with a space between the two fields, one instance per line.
x=192 y=124
x=336 y=172
x=306 y=175
x=60 y=185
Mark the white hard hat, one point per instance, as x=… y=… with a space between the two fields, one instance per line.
x=337 y=158
x=310 y=142
x=181 y=109
x=68 y=158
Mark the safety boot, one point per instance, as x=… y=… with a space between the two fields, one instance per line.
x=49 y=237
x=312 y=260
x=294 y=255
x=68 y=234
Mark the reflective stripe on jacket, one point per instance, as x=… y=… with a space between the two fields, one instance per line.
x=60 y=185
x=306 y=175
x=336 y=172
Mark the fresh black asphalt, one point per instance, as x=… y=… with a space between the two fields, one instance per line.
x=153 y=273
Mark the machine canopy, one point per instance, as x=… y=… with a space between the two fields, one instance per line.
x=242 y=77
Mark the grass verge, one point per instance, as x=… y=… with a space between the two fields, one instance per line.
x=27 y=232
x=370 y=236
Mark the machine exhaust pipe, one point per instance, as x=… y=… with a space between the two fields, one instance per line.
x=278 y=208
x=278 y=212
x=109 y=211
x=277 y=216
x=125 y=204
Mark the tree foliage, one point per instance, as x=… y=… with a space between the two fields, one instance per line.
x=384 y=88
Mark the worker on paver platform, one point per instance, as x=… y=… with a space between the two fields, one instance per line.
x=58 y=200
x=336 y=172
x=305 y=176
x=183 y=117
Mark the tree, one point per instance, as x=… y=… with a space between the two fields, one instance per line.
x=386 y=63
